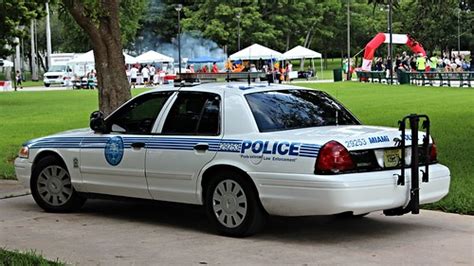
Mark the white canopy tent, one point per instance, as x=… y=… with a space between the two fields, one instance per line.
x=256 y=52
x=153 y=57
x=300 y=52
x=88 y=58
x=6 y=63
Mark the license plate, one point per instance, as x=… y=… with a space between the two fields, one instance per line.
x=391 y=158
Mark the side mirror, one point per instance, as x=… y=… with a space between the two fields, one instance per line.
x=97 y=122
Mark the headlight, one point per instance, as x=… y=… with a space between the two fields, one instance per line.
x=24 y=152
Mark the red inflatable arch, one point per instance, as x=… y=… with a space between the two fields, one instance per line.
x=380 y=38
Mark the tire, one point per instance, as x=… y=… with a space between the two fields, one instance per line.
x=236 y=219
x=51 y=186
x=47 y=85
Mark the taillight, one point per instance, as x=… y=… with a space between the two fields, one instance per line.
x=433 y=152
x=333 y=158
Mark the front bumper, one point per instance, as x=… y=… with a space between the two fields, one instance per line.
x=300 y=195
x=53 y=81
x=23 y=171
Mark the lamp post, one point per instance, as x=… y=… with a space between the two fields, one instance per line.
x=348 y=41
x=459 y=32
x=178 y=8
x=48 y=37
x=238 y=30
x=390 y=43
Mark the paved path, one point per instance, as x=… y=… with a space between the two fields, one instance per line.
x=145 y=233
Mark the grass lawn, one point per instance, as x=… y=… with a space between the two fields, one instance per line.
x=26 y=115
x=27 y=258
x=30 y=83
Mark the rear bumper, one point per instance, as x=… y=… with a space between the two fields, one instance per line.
x=299 y=195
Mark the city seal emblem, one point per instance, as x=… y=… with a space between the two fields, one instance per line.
x=114 y=150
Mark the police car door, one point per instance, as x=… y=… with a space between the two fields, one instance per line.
x=188 y=139
x=114 y=163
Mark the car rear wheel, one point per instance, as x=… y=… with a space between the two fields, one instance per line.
x=233 y=206
x=51 y=186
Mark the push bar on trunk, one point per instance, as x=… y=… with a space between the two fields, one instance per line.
x=413 y=205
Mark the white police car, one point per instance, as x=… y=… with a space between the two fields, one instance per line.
x=242 y=151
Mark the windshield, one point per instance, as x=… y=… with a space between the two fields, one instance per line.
x=293 y=109
x=57 y=69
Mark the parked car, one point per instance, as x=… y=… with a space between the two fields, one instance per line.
x=242 y=151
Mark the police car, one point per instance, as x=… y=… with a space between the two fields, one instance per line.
x=242 y=151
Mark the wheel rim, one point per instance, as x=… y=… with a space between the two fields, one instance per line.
x=229 y=203
x=54 y=185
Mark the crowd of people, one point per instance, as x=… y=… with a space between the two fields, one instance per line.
x=421 y=63
x=146 y=73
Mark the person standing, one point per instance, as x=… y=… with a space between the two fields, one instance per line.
x=133 y=76
x=152 y=74
x=18 y=79
x=420 y=63
x=214 y=68
x=145 y=75
x=433 y=62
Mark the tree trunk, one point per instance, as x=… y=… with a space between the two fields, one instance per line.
x=105 y=35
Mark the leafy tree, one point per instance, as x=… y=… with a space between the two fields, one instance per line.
x=102 y=21
x=15 y=18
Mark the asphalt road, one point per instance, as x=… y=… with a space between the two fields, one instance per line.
x=141 y=232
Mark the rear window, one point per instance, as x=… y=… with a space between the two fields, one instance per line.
x=293 y=109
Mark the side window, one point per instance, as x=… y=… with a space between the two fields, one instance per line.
x=139 y=115
x=194 y=113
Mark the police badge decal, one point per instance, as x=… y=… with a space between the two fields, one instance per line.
x=114 y=150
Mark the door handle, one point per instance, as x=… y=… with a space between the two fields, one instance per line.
x=138 y=145
x=201 y=147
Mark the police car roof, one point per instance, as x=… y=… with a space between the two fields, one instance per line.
x=235 y=87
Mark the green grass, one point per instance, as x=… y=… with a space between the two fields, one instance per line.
x=30 y=83
x=24 y=258
x=451 y=111
x=27 y=115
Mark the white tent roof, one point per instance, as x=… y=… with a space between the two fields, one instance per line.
x=89 y=58
x=255 y=52
x=7 y=63
x=152 y=56
x=301 y=52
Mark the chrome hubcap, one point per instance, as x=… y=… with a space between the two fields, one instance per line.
x=229 y=203
x=54 y=185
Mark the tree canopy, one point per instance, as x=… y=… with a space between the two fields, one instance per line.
x=14 y=16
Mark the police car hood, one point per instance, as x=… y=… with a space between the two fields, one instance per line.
x=80 y=132
x=356 y=137
x=74 y=133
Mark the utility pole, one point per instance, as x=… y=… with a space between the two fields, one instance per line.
x=178 y=8
x=459 y=32
x=48 y=37
x=348 y=40
x=17 y=60
x=390 y=43
x=34 y=66
x=238 y=30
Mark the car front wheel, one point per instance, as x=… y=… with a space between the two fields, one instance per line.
x=51 y=187
x=233 y=206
